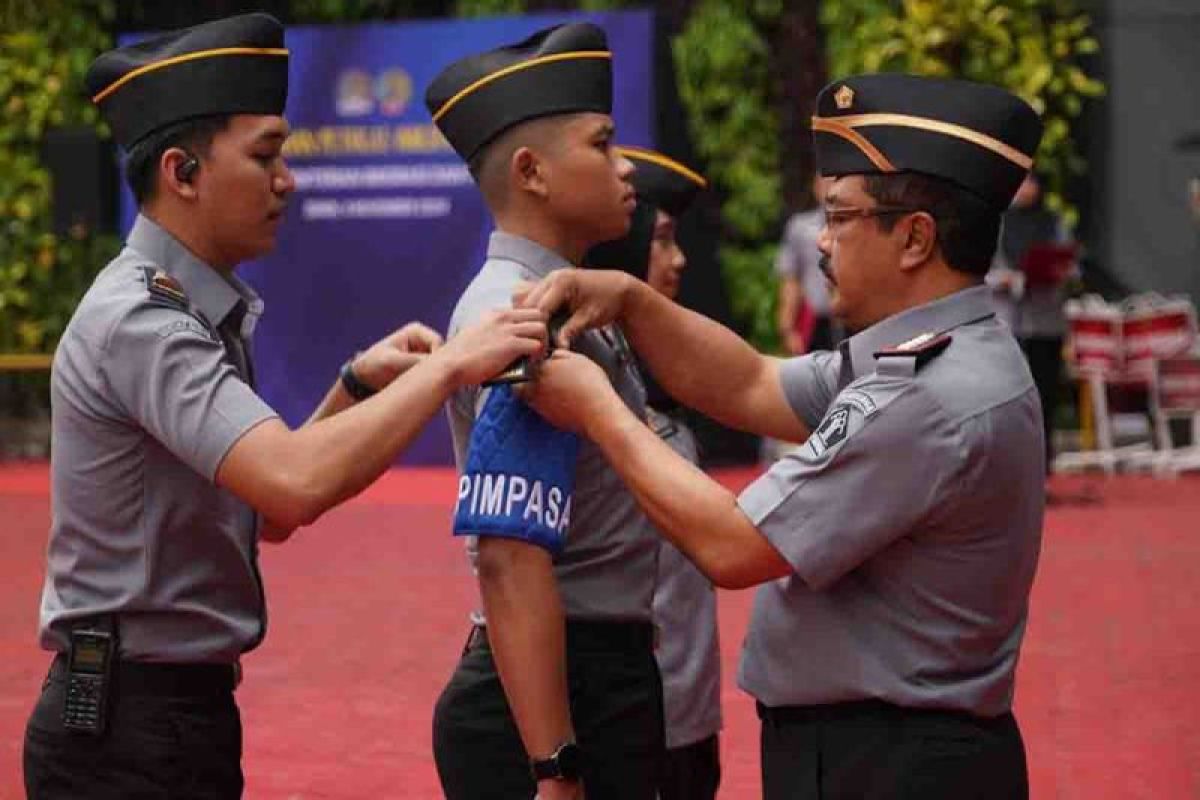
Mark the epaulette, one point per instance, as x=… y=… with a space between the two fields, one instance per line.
x=165 y=289
x=907 y=357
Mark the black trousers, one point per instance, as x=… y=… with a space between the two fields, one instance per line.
x=172 y=738
x=876 y=751
x=692 y=772
x=1044 y=355
x=616 y=709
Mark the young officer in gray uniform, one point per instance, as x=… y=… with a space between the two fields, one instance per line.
x=897 y=547
x=537 y=705
x=685 y=605
x=167 y=468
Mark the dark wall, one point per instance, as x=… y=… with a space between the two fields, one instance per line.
x=1138 y=220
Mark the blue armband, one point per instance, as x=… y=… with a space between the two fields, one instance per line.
x=519 y=475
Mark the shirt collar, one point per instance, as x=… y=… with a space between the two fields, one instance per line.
x=943 y=314
x=212 y=293
x=537 y=259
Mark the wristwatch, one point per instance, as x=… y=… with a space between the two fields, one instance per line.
x=351 y=383
x=563 y=765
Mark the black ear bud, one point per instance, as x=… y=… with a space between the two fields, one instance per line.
x=187 y=168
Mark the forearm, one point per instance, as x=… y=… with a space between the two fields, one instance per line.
x=697 y=514
x=790 y=295
x=292 y=477
x=526 y=630
x=705 y=365
x=346 y=452
x=336 y=400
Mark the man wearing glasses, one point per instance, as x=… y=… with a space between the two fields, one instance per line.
x=895 y=549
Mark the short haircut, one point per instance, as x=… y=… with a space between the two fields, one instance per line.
x=489 y=165
x=968 y=228
x=141 y=163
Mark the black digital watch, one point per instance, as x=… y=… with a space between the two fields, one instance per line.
x=563 y=765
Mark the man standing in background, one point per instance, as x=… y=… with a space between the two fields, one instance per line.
x=805 y=321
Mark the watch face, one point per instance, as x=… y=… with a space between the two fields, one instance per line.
x=563 y=765
x=569 y=761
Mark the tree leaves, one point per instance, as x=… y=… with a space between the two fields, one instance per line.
x=1036 y=48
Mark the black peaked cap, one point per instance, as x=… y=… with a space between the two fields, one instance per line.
x=236 y=65
x=561 y=70
x=981 y=137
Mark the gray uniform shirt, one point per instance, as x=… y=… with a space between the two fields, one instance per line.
x=606 y=569
x=912 y=518
x=685 y=615
x=147 y=399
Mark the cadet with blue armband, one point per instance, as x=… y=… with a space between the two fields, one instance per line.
x=557 y=689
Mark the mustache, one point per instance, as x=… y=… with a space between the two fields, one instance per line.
x=823 y=265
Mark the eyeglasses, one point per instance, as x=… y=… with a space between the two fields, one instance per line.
x=835 y=216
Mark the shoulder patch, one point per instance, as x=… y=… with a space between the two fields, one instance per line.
x=916 y=352
x=184 y=325
x=163 y=287
x=832 y=431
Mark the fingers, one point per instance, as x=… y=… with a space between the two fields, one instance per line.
x=530 y=330
x=520 y=293
x=402 y=362
x=422 y=339
x=548 y=294
x=575 y=325
x=522 y=315
x=416 y=337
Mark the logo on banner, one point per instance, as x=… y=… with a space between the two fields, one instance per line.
x=354 y=94
x=393 y=89
x=360 y=93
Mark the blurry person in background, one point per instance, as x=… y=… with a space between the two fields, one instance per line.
x=804 y=318
x=1034 y=267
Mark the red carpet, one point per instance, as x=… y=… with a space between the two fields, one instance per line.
x=368 y=613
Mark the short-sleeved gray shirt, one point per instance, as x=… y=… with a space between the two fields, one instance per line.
x=606 y=569
x=146 y=402
x=912 y=518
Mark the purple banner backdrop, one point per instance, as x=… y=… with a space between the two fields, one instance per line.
x=385 y=225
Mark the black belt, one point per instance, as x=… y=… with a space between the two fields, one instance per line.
x=784 y=715
x=133 y=678
x=585 y=635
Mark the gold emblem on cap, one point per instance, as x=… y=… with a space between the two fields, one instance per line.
x=844 y=97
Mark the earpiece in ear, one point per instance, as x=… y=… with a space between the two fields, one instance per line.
x=187 y=168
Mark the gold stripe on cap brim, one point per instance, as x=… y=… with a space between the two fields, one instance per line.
x=835 y=126
x=500 y=73
x=996 y=146
x=638 y=154
x=167 y=62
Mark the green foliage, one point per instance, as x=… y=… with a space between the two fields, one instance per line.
x=721 y=61
x=45 y=50
x=317 y=11
x=484 y=8
x=1035 y=48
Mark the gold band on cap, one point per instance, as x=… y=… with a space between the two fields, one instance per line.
x=1005 y=151
x=500 y=73
x=167 y=62
x=663 y=161
x=855 y=138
